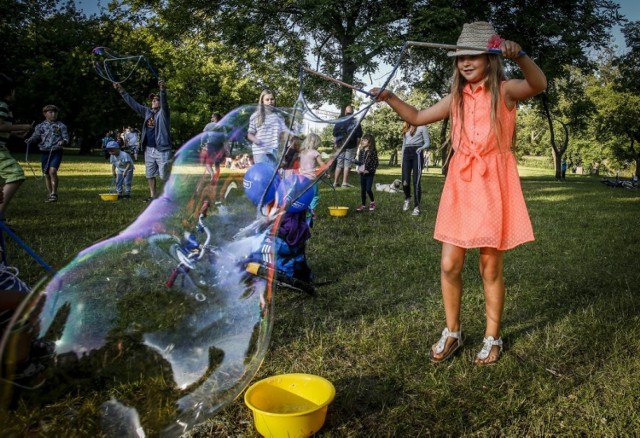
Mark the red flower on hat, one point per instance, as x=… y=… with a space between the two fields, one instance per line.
x=495 y=42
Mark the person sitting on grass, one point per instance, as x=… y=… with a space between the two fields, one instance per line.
x=122 y=166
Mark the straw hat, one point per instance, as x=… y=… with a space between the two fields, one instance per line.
x=476 y=34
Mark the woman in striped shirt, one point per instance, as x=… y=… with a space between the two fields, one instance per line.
x=265 y=129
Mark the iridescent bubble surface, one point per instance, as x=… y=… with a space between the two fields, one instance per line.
x=156 y=329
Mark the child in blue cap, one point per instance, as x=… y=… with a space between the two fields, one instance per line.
x=122 y=165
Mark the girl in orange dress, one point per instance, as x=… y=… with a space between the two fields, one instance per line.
x=482 y=205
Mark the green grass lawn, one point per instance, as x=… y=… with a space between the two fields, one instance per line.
x=571 y=324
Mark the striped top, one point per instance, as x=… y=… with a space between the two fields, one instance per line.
x=268 y=133
x=6 y=116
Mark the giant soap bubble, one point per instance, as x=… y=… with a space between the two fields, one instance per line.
x=155 y=329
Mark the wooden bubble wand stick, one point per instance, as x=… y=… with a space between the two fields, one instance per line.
x=337 y=81
x=495 y=51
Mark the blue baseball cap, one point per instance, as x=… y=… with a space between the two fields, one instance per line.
x=112 y=145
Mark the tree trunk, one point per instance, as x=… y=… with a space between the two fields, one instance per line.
x=556 y=151
x=85 y=145
x=348 y=74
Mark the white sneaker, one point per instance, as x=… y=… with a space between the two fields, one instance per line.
x=416 y=211
x=405 y=206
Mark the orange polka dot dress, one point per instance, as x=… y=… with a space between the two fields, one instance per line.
x=482 y=203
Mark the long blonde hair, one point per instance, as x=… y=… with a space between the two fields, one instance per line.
x=261 y=106
x=494 y=75
x=311 y=142
x=408 y=127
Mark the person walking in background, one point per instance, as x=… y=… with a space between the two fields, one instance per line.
x=415 y=141
x=367 y=162
x=156 y=135
x=344 y=159
x=132 y=141
x=266 y=128
x=482 y=205
x=214 y=148
x=50 y=136
x=11 y=173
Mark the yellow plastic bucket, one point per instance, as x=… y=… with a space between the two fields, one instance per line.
x=338 y=211
x=289 y=405
x=109 y=196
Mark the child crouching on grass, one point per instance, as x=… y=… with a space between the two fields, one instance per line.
x=367 y=162
x=123 y=167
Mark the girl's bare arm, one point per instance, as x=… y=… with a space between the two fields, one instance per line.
x=534 y=82
x=409 y=113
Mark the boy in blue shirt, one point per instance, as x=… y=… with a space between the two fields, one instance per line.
x=50 y=136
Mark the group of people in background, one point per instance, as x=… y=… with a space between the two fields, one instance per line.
x=128 y=139
x=266 y=128
x=355 y=149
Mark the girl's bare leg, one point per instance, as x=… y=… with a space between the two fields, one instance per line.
x=451 y=265
x=491 y=271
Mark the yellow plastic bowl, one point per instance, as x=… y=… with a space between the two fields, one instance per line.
x=289 y=405
x=109 y=196
x=338 y=211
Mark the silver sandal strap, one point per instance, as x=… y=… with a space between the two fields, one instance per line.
x=488 y=343
x=443 y=339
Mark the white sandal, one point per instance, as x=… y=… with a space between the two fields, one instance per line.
x=440 y=346
x=488 y=343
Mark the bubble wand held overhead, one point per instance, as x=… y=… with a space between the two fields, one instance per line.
x=117 y=68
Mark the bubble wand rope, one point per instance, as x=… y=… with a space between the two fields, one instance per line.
x=26 y=159
x=105 y=72
x=4 y=228
x=361 y=113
